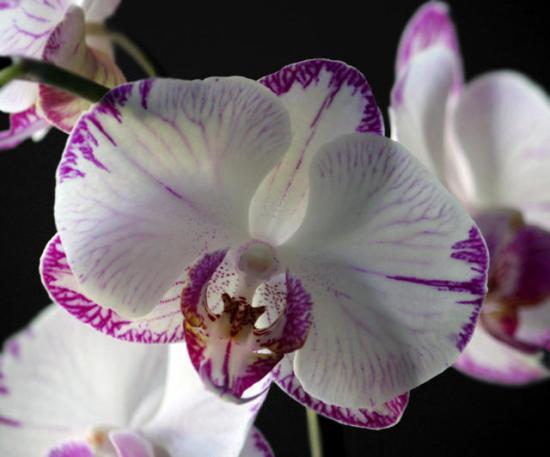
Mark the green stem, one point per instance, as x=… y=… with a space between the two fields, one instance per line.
x=10 y=73
x=42 y=72
x=124 y=43
x=314 y=433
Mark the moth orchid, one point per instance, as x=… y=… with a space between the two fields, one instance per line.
x=275 y=229
x=68 y=391
x=488 y=142
x=62 y=33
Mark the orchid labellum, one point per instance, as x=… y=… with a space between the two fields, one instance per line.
x=489 y=143
x=62 y=33
x=275 y=229
x=68 y=391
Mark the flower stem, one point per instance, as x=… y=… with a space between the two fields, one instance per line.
x=42 y=72
x=126 y=44
x=314 y=433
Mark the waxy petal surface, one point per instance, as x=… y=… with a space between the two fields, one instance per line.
x=25 y=27
x=488 y=359
x=60 y=377
x=395 y=268
x=67 y=48
x=164 y=324
x=157 y=173
x=419 y=102
x=501 y=125
x=430 y=26
x=385 y=416
x=22 y=127
x=211 y=427
x=325 y=99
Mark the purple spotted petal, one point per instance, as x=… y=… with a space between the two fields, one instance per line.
x=22 y=127
x=382 y=417
x=163 y=325
x=430 y=26
x=158 y=173
x=256 y=445
x=25 y=27
x=325 y=99
x=59 y=378
x=396 y=270
x=488 y=359
x=67 y=48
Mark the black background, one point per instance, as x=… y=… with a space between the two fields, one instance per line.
x=451 y=415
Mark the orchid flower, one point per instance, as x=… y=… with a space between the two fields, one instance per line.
x=60 y=33
x=68 y=391
x=488 y=143
x=275 y=229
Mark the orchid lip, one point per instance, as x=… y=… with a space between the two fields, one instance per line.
x=229 y=348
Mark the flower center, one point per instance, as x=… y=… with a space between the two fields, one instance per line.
x=226 y=294
x=257 y=260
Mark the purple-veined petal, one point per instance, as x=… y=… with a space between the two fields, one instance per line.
x=24 y=30
x=419 y=104
x=396 y=270
x=429 y=26
x=256 y=445
x=325 y=99
x=22 y=127
x=227 y=347
x=97 y=10
x=67 y=48
x=384 y=416
x=128 y=443
x=60 y=377
x=157 y=173
x=164 y=324
x=488 y=359
x=501 y=125
x=195 y=422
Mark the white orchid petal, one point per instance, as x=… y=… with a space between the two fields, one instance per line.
x=325 y=99
x=157 y=173
x=501 y=125
x=384 y=416
x=97 y=10
x=396 y=270
x=60 y=377
x=489 y=359
x=211 y=426
x=164 y=324
x=419 y=104
x=67 y=48
x=25 y=27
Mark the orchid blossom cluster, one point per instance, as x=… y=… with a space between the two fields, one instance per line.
x=273 y=234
